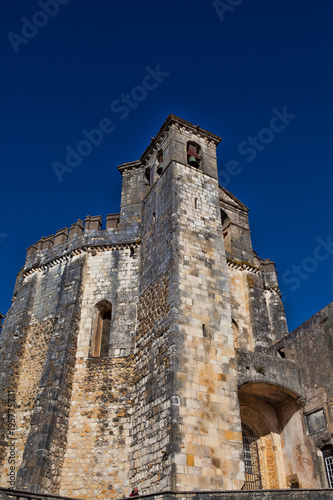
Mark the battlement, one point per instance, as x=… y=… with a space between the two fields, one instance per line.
x=93 y=223
x=82 y=236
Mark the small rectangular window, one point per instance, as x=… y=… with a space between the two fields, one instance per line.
x=315 y=421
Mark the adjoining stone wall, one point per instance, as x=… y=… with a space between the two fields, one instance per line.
x=256 y=304
x=311 y=345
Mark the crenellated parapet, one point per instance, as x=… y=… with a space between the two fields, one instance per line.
x=64 y=235
x=81 y=237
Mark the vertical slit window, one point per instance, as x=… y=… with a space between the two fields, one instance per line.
x=105 y=335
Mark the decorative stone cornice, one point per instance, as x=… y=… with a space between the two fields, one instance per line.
x=243 y=266
x=92 y=249
x=129 y=166
x=272 y=288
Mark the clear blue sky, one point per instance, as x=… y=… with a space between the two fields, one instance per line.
x=230 y=69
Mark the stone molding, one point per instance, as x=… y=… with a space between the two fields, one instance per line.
x=92 y=249
x=264 y=494
x=243 y=266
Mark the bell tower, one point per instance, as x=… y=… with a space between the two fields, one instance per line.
x=186 y=374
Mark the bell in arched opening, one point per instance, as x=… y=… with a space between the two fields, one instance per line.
x=193 y=157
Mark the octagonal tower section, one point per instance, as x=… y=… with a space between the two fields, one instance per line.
x=186 y=423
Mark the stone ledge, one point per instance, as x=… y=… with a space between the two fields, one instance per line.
x=306 y=494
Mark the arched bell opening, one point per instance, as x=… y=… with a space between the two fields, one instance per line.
x=194 y=155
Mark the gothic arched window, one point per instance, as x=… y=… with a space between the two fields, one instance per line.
x=101 y=330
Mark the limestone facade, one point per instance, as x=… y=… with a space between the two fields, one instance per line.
x=155 y=352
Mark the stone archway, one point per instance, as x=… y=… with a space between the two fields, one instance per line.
x=267 y=460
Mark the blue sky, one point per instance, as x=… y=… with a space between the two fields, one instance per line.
x=70 y=66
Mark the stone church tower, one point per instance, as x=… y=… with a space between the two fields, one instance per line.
x=155 y=352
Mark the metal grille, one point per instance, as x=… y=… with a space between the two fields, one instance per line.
x=105 y=337
x=328 y=457
x=251 y=460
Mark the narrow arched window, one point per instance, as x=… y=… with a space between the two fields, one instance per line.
x=101 y=330
x=226 y=230
x=105 y=336
x=147 y=176
x=160 y=162
x=225 y=220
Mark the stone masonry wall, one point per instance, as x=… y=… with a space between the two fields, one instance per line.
x=45 y=445
x=29 y=372
x=210 y=454
x=99 y=440
x=34 y=344
x=240 y=307
x=12 y=342
x=154 y=413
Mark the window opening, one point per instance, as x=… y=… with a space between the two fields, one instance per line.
x=225 y=220
x=315 y=421
x=160 y=162
x=193 y=157
x=251 y=459
x=281 y=352
x=101 y=330
x=196 y=203
x=105 y=337
x=147 y=176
